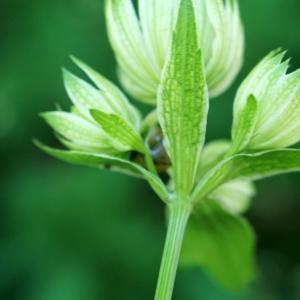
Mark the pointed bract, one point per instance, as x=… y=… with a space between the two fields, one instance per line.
x=124 y=136
x=183 y=101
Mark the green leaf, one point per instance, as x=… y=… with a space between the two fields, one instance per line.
x=119 y=130
x=83 y=95
x=221 y=243
x=77 y=130
x=137 y=72
x=183 y=101
x=107 y=162
x=244 y=126
x=114 y=97
x=249 y=166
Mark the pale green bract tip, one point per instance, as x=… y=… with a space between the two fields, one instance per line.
x=123 y=134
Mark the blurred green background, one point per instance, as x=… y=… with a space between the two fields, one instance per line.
x=73 y=233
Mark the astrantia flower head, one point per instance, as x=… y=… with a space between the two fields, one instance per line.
x=142 y=44
x=271 y=100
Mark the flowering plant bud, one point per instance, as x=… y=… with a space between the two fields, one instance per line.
x=271 y=114
x=142 y=44
x=98 y=115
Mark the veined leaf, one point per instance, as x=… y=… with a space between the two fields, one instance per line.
x=76 y=129
x=244 y=126
x=183 y=101
x=157 y=19
x=107 y=161
x=83 y=95
x=127 y=40
x=249 y=166
x=119 y=130
x=223 y=244
x=114 y=97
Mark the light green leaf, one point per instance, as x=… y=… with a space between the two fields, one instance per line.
x=83 y=95
x=137 y=71
x=249 y=166
x=244 y=126
x=123 y=134
x=106 y=161
x=72 y=145
x=258 y=79
x=183 y=101
x=157 y=18
x=114 y=97
x=221 y=243
x=223 y=43
x=77 y=130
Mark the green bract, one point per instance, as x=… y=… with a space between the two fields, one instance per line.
x=142 y=45
x=177 y=55
x=183 y=102
x=248 y=166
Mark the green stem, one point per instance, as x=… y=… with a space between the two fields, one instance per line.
x=150 y=164
x=178 y=217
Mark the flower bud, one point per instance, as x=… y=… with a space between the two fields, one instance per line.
x=142 y=45
x=277 y=93
x=78 y=129
x=235 y=196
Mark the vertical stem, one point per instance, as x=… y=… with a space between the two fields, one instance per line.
x=178 y=216
x=149 y=163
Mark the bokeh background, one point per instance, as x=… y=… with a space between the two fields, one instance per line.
x=73 y=233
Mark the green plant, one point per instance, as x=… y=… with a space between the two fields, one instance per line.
x=178 y=56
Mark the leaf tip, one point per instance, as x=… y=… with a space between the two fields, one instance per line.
x=77 y=61
x=95 y=113
x=40 y=145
